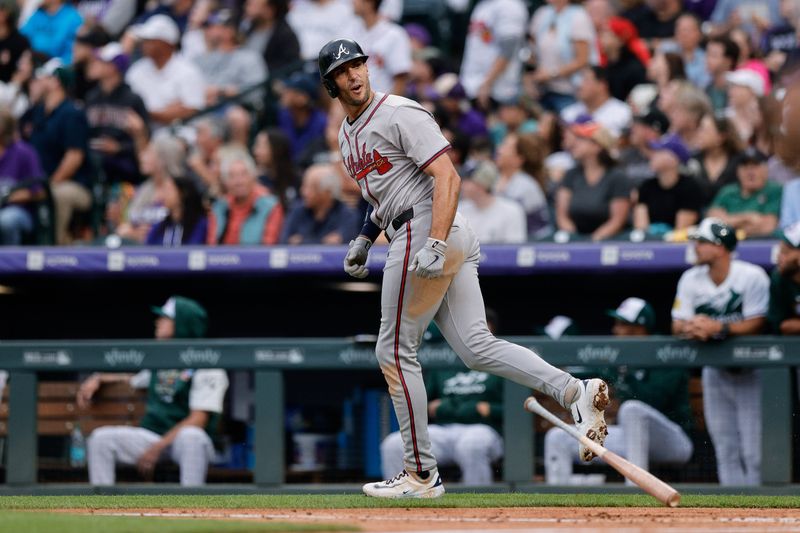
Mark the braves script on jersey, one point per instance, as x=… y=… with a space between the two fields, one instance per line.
x=386 y=150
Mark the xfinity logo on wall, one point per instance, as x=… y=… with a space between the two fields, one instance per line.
x=351 y=356
x=116 y=357
x=590 y=353
x=670 y=353
x=192 y=357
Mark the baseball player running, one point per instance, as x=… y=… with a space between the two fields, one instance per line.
x=394 y=149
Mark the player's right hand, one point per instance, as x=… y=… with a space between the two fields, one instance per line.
x=356 y=259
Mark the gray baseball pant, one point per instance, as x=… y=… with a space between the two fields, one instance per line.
x=192 y=449
x=643 y=435
x=732 y=409
x=454 y=301
x=472 y=447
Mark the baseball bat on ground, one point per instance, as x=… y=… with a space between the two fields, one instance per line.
x=647 y=481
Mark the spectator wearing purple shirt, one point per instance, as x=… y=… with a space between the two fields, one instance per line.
x=18 y=165
x=299 y=119
x=186 y=221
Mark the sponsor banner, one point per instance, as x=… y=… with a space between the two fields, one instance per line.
x=123 y=357
x=598 y=353
x=676 y=353
x=47 y=358
x=192 y=357
x=292 y=356
x=758 y=353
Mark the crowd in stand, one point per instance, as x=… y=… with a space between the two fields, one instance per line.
x=125 y=122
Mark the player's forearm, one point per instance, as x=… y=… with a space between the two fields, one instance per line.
x=790 y=326
x=748 y=326
x=445 y=202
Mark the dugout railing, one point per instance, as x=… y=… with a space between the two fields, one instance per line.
x=270 y=358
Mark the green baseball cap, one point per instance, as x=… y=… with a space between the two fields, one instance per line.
x=791 y=235
x=635 y=311
x=715 y=231
x=167 y=310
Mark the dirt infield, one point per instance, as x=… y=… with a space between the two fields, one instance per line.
x=620 y=520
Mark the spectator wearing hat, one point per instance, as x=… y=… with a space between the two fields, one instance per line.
x=784 y=299
x=268 y=33
x=248 y=214
x=108 y=109
x=186 y=222
x=722 y=55
x=634 y=160
x=714 y=165
x=228 y=68
x=182 y=416
x=19 y=173
x=58 y=130
x=564 y=42
x=491 y=68
x=52 y=28
x=495 y=219
x=745 y=88
x=171 y=87
x=654 y=417
x=595 y=100
x=624 y=55
x=387 y=45
x=453 y=108
x=320 y=217
x=718 y=298
x=671 y=200
x=299 y=118
x=594 y=197
x=753 y=204
x=520 y=161
x=87 y=42
x=12 y=43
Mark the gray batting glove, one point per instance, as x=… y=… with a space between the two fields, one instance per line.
x=356 y=259
x=429 y=262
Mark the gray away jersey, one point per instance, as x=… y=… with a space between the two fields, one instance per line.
x=386 y=150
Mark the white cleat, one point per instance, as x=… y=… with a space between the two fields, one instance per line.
x=587 y=412
x=405 y=485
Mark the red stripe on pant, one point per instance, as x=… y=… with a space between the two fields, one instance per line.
x=397 y=345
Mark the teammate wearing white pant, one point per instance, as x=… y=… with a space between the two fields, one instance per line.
x=719 y=297
x=652 y=427
x=466 y=409
x=183 y=408
x=396 y=152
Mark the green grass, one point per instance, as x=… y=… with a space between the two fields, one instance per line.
x=351 y=501
x=15 y=522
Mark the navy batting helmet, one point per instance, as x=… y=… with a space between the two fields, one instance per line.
x=335 y=54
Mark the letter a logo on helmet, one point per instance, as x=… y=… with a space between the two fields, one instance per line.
x=335 y=54
x=342 y=50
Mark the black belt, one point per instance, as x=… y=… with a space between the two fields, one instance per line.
x=398 y=222
x=402 y=218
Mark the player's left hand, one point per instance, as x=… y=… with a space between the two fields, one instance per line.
x=429 y=262
x=146 y=463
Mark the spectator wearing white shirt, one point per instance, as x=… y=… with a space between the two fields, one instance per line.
x=594 y=100
x=315 y=22
x=495 y=219
x=491 y=67
x=386 y=44
x=520 y=160
x=227 y=67
x=172 y=87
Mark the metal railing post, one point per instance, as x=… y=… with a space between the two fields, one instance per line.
x=517 y=434
x=269 y=430
x=22 y=435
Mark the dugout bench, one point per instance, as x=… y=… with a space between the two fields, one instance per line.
x=269 y=358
